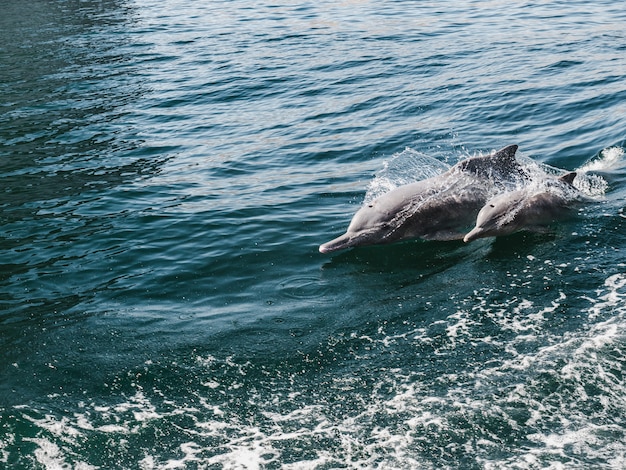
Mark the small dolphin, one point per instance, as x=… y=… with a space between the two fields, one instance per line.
x=529 y=208
x=437 y=208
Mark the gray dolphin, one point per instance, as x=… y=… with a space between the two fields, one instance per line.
x=530 y=208
x=437 y=208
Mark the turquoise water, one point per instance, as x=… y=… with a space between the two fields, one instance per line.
x=169 y=170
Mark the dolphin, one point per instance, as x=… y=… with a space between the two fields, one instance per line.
x=437 y=208
x=530 y=208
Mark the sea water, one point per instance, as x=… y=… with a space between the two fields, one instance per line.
x=169 y=170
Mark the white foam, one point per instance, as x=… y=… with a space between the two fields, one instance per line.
x=63 y=428
x=147 y=463
x=8 y=440
x=51 y=457
x=610 y=158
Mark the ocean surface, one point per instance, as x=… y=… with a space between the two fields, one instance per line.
x=169 y=170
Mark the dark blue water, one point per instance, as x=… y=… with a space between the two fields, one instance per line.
x=169 y=170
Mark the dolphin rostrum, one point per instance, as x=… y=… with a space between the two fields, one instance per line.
x=530 y=208
x=437 y=208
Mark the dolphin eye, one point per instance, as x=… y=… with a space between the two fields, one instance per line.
x=370 y=205
x=491 y=205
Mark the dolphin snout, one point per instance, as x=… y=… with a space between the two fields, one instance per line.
x=324 y=248
x=339 y=243
x=473 y=234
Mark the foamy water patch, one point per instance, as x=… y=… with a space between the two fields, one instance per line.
x=51 y=457
x=574 y=392
x=402 y=420
x=527 y=396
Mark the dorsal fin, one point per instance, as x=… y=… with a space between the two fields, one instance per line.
x=501 y=163
x=506 y=153
x=568 y=177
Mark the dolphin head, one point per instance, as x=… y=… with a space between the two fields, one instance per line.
x=497 y=217
x=372 y=224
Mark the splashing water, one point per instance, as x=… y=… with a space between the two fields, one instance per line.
x=609 y=159
x=411 y=165
x=404 y=167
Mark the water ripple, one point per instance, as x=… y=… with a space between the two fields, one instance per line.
x=169 y=170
